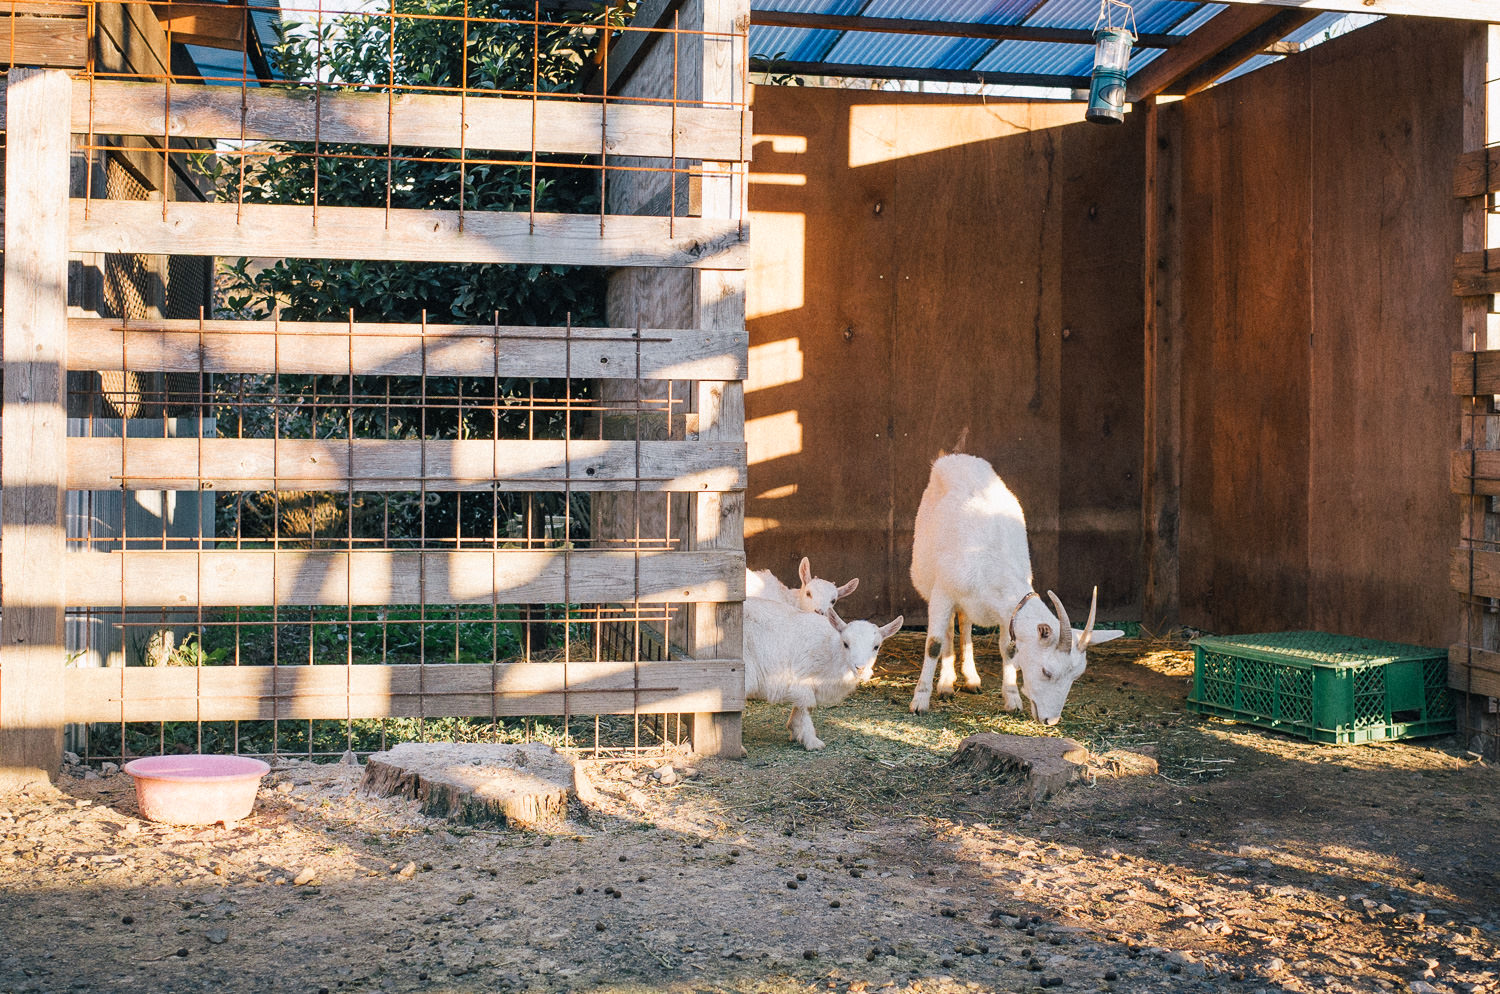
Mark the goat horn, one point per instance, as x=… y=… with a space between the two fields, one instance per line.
x=1017 y=610
x=1088 y=629
x=1065 y=633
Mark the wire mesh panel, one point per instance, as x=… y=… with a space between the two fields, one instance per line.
x=421 y=513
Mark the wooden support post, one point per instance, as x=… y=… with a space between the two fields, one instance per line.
x=719 y=304
x=1162 y=474
x=1478 y=528
x=34 y=427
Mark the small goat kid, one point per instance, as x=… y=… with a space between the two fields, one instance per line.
x=816 y=594
x=797 y=658
x=971 y=563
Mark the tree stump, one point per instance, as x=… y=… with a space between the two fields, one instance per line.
x=523 y=786
x=1049 y=764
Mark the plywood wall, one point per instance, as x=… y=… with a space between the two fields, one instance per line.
x=929 y=269
x=1318 y=235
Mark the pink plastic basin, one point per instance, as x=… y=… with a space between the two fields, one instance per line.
x=196 y=789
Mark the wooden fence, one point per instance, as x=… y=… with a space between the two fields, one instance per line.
x=41 y=576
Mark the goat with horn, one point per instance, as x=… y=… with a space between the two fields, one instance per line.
x=971 y=562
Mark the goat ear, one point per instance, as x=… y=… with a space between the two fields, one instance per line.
x=886 y=631
x=839 y=624
x=1044 y=632
x=848 y=588
x=804 y=572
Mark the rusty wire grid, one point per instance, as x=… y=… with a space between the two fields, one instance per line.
x=427 y=511
x=175 y=505
x=476 y=178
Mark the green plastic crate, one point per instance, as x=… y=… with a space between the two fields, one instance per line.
x=1326 y=688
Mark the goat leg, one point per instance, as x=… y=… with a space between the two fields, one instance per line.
x=966 y=646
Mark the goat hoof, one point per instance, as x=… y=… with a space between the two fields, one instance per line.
x=971 y=688
x=919 y=704
x=814 y=745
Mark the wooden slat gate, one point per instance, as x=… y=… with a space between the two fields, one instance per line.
x=41 y=578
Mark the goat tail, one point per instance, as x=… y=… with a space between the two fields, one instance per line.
x=958 y=446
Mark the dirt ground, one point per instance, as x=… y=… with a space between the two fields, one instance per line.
x=1251 y=862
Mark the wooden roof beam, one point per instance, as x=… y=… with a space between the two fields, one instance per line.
x=1466 y=10
x=1219 y=34
x=1253 y=44
x=946 y=29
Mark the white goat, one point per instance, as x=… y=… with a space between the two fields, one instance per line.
x=970 y=561
x=795 y=657
x=816 y=594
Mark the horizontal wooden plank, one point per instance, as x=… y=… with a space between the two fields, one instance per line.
x=250 y=693
x=1476 y=273
x=1467 y=10
x=1486 y=572
x=44 y=41
x=1476 y=468
x=1477 y=173
x=393 y=465
x=1476 y=374
x=151 y=578
x=186 y=346
x=286 y=231
x=1474 y=670
x=272 y=113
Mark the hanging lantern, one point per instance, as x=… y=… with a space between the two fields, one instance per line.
x=1112 y=44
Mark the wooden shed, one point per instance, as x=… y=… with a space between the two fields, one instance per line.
x=1228 y=355
x=1231 y=355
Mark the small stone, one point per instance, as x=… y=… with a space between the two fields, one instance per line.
x=833 y=904
x=1422 y=987
x=600 y=926
x=1051 y=981
x=801 y=876
x=791 y=885
x=665 y=774
x=285 y=787
x=809 y=954
x=407 y=872
x=109 y=769
x=132 y=828
x=307 y=876
x=578 y=890
x=72 y=758
x=348 y=758
x=217 y=936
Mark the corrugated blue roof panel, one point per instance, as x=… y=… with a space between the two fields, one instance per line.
x=871 y=48
x=974 y=11
x=840 y=7
x=1150 y=15
x=1250 y=65
x=796 y=44
x=1195 y=21
x=1042 y=58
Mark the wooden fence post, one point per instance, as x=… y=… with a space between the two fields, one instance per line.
x=719 y=304
x=34 y=427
